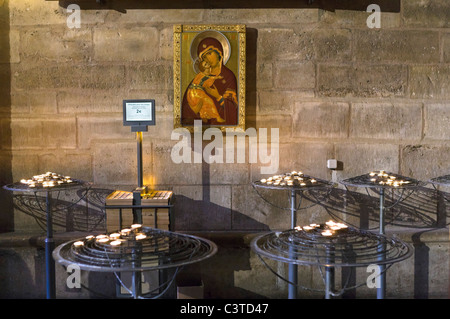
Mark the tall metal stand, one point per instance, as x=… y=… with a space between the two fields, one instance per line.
x=293 y=268
x=381 y=290
x=49 y=246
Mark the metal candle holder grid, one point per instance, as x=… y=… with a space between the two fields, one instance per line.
x=48 y=189
x=317 y=246
x=295 y=182
x=382 y=181
x=136 y=249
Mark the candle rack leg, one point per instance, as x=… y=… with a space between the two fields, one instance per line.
x=49 y=246
x=293 y=268
x=381 y=290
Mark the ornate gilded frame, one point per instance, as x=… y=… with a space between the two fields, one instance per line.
x=182 y=39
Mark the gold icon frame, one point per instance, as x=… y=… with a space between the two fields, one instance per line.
x=233 y=40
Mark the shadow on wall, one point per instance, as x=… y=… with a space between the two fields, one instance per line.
x=6 y=212
x=329 y=5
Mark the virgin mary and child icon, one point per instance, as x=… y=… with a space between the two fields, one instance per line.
x=211 y=95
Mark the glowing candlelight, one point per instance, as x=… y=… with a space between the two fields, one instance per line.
x=114 y=235
x=103 y=240
x=298 y=228
x=327 y=233
x=141 y=236
x=263 y=180
x=115 y=243
x=78 y=244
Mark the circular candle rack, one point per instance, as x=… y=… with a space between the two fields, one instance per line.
x=322 y=247
x=295 y=182
x=135 y=249
x=348 y=247
x=51 y=185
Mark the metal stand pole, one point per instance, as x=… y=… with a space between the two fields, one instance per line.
x=293 y=268
x=329 y=274
x=139 y=159
x=381 y=290
x=49 y=246
x=136 y=285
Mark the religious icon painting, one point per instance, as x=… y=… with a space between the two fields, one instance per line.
x=209 y=76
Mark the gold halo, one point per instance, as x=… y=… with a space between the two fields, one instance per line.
x=210 y=34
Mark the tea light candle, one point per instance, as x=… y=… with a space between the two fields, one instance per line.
x=115 y=243
x=78 y=244
x=326 y=233
x=141 y=236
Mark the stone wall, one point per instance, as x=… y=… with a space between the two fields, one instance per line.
x=371 y=98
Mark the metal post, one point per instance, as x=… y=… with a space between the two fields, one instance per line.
x=329 y=274
x=136 y=284
x=139 y=159
x=293 y=268
x=381 y=290
x=49 y=246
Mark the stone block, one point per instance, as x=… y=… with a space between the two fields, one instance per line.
x=59 y=133
x=294 y=45
x=115 y=163
x=10 y=46
x=332 y=45
x=446 y=47
x=282 y=122
x=56 y=44
x=168 y=172
x=69 y=76
x=362 y=158
x=37 y=133
x=429 y=81
x=437 y=119
x=98 y=128
x=202 y=207
x=362 y=80
x=321 y=119
x=280 y=101
x=399 y=46
x=256 y=15
x=74 y=164
x=386 y=121
x=264 y=77
x=293 y=75
x=126 y=44
x=357 y=19
x=24 y=165
x=153 y=76
x=426 y=13
x=425 y=161
x=35 y=102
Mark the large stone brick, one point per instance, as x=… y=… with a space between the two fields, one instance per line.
x=425 y=161
x=426 y=13
x=280 y=101
x=202 y=207
x=321 y=119
x=358 y=19
x=69 y=76
x=429 y=81
x=332 y=45
x=256 y=15
x=151 y=77
x=362 y=80
x=362 y=158
x=92 y=128
x=437 y=119
x=37 y=133
x=400 y=46
x=284 y=44
x=126 y=44
x=386 y=121
x=56 y=44
x=9 y=45
x=74 y=164
x=292 y=75
x=115 y=163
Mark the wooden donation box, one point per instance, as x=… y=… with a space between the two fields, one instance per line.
x=155 y=209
